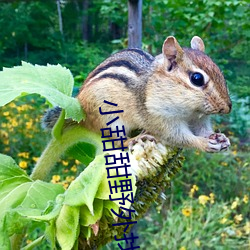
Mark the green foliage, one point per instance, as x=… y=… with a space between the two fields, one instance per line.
x=198 y=224
x=223 y=25
x=53 y=82
x=231 y=166
x=19 y=198
x=27 y=199
x=81 y=58
x=207 y=206
x=238 y=121
x=23 y=200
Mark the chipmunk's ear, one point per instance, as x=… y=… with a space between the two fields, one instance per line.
x=197 y=43
x=171 y=49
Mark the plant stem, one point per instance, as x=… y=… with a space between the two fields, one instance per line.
x=52 y=153
x=16 y=240
x=57 y=147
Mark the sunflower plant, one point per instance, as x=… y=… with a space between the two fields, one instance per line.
x=79 y=217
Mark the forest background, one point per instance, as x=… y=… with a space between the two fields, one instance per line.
x=207 y=206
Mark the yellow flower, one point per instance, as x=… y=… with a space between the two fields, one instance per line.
x=238 y=218
x=23 y=107
x=193 y=190
x=77 y=162
x=245 y=199
x=6 y=113
x=4 y=134
x=65 y=185
x=6 y=149
x=65 y=163
x=182 y=248
x=187 y=211
x=23 y=164
x=225 y=164
x=29 y=124
x=35 y=159
x=238 y=233
x=197 y=242
x=223 y=220
x=223 y=235
x=24 y=154
x=55 y=178
x=235 y=203
x=28 y=241
x=211 y=195
x=73 y=168
x=247 y=227
x=234 y=152
x=203 y=199
x=70 y=178
x=12 y=105
x=238 y=159
x=14 y=123
x=6 y=141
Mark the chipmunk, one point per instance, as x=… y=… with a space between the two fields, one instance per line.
x=170 y=96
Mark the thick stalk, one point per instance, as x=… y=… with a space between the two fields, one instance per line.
x=57 y=147
x=52 y=153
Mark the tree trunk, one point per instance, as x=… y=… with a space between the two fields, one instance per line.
x=59 y=16
x=134 y=23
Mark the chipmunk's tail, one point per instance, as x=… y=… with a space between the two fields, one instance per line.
x=50 y=117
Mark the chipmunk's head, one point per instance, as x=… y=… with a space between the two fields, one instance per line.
x=198 y=77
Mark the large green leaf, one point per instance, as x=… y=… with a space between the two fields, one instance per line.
x=10 y=201
x=82 y=190
x=53 y=82
x=93 y=183
x=9 y=168
x=22 y=200
x=6 y=186
x=86 y=218
x=47 y=215
x=67 y=226
x=39 y=194
x=14 y=198
x=84 y=152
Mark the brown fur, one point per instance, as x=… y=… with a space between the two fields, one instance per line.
x=156 y=94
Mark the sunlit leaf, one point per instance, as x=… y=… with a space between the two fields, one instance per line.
x=86 y=218
x=67 y=225
x=53 y=82
x=9 y=168
x=82 y=190
x=83 y=152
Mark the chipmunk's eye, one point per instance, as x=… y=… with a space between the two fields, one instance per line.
x=197 y=79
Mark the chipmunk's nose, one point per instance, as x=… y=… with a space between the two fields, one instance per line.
x=227 y=108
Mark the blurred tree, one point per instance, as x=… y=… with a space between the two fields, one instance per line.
x=58 y=2
x=31 y=31
x=135 y=23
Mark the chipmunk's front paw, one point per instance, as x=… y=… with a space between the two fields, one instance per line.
x=217 y=142
x=141 y=139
